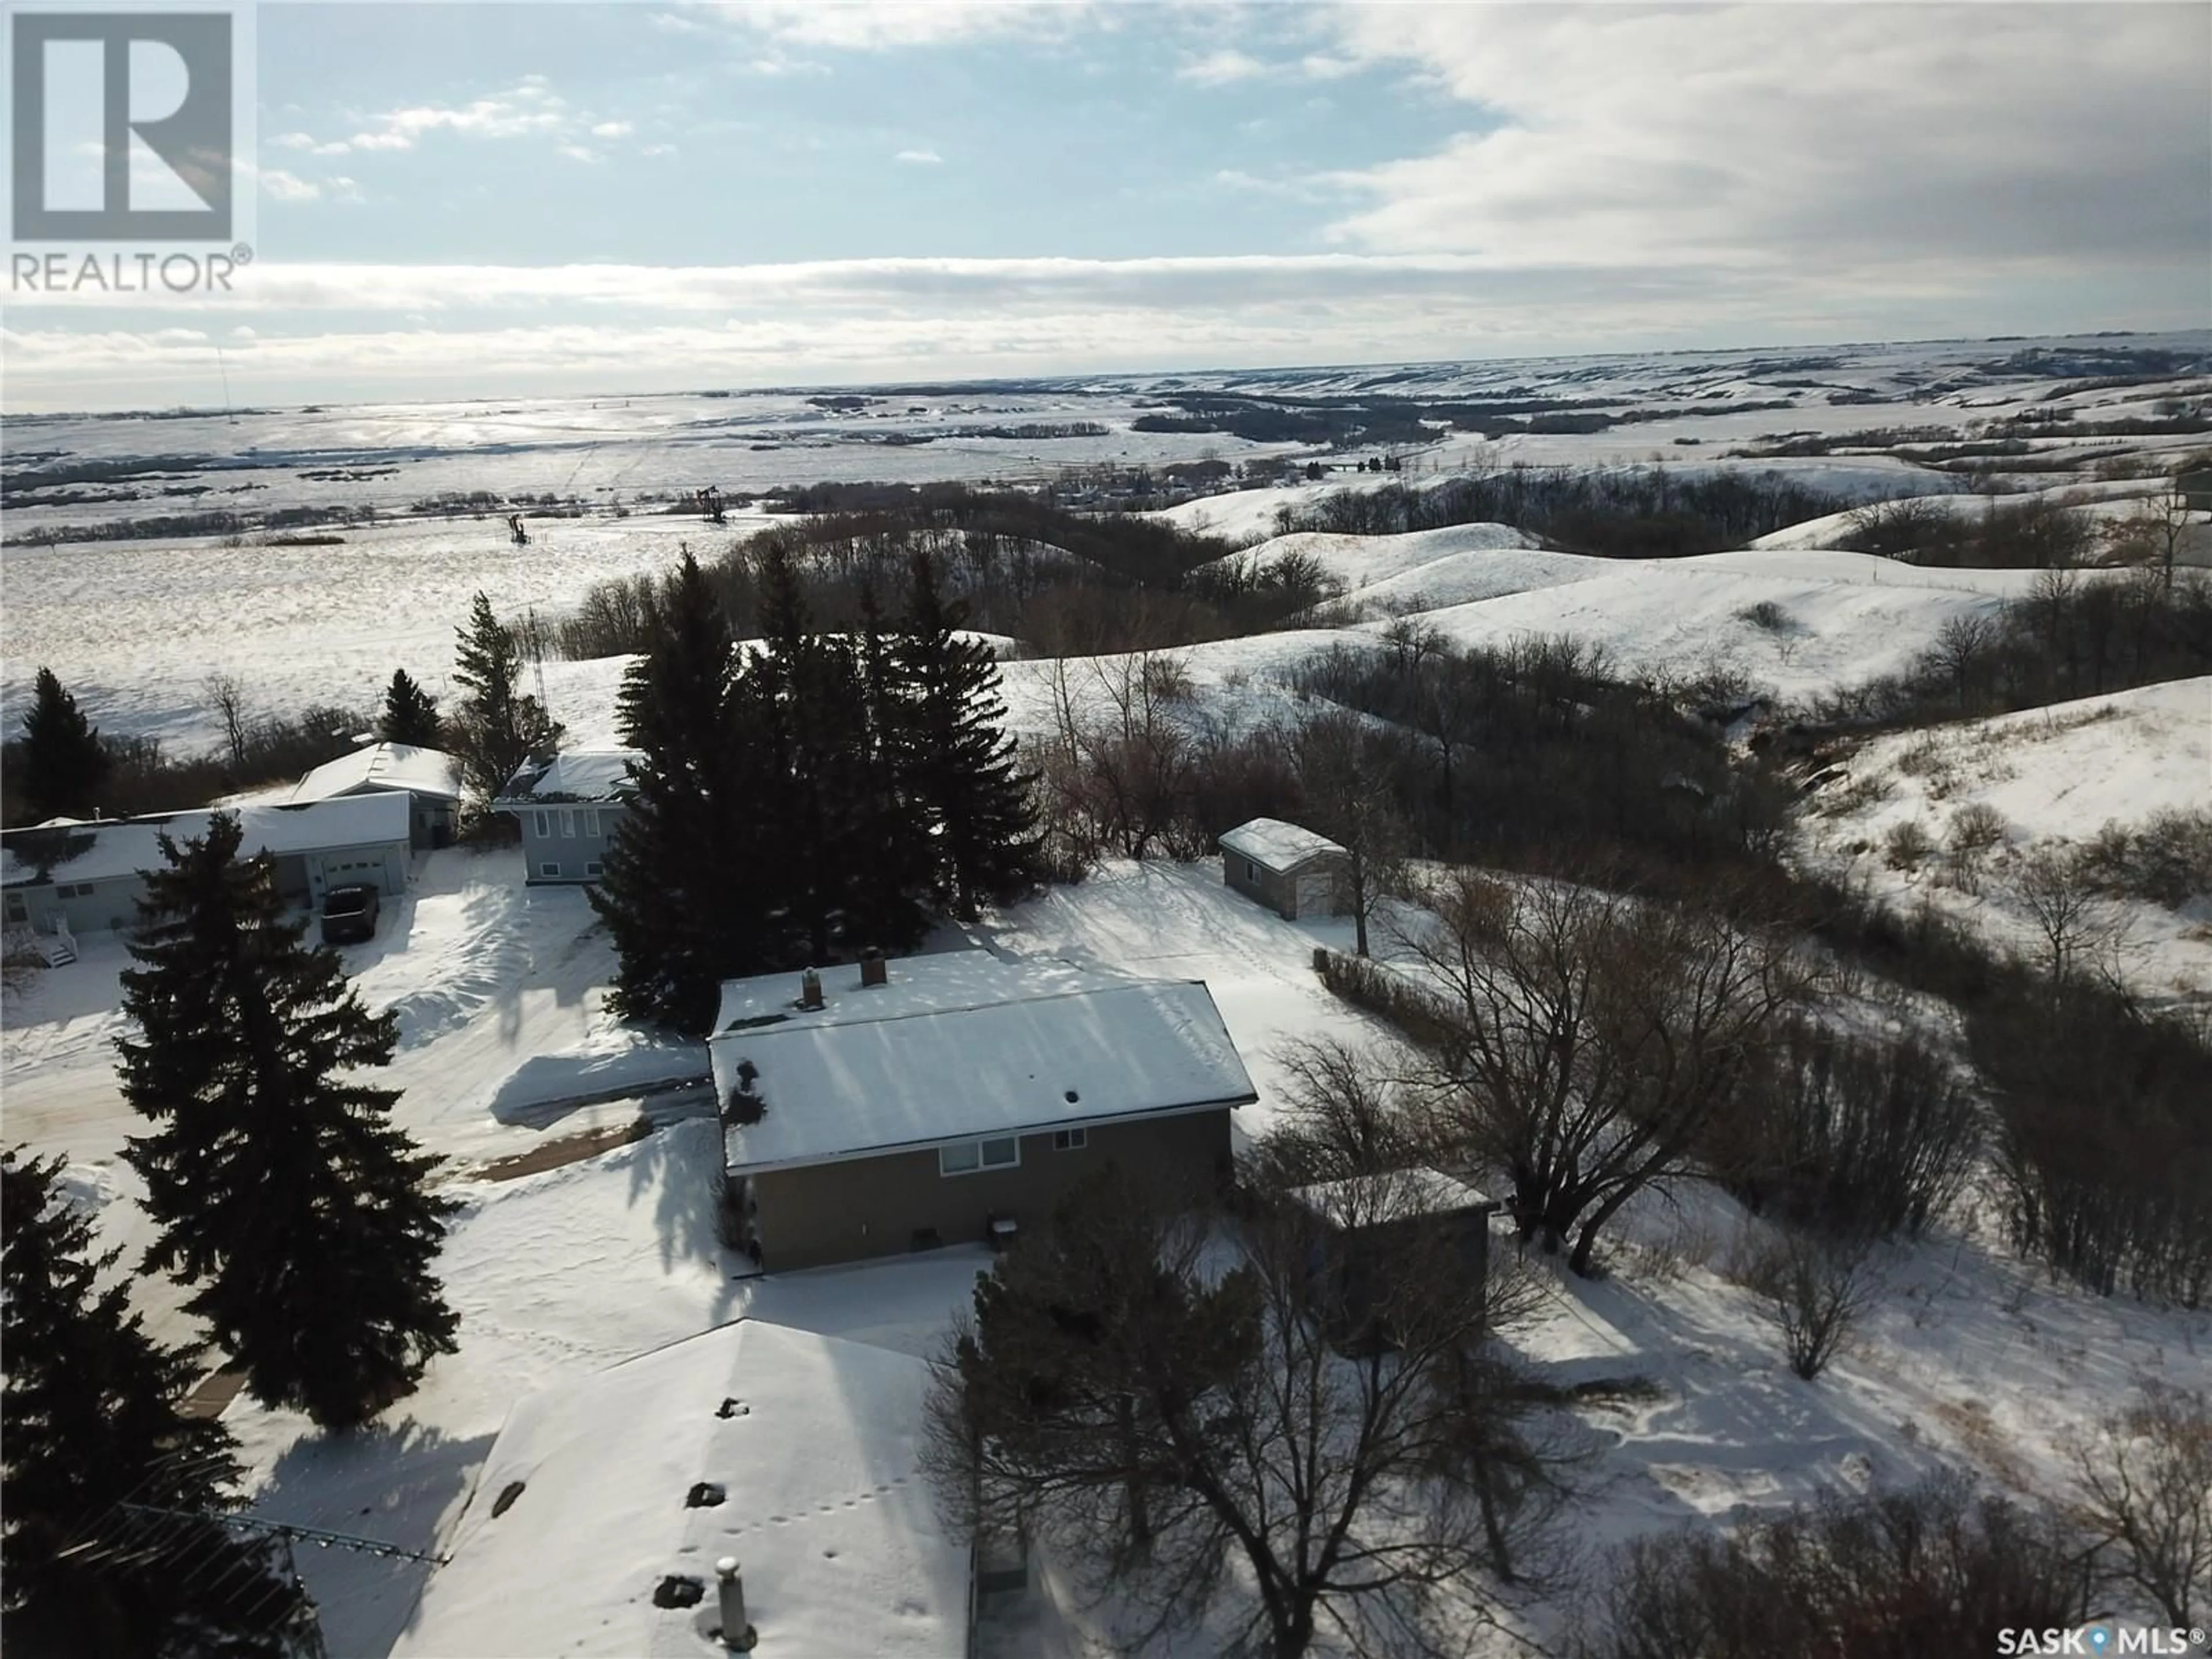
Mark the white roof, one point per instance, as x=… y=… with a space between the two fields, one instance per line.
x=125 y=847
x=578 y=774
x=1364 y=1201
x=824 y=1506
x=961 y=1045
x=1278 y=845
x=384 y=766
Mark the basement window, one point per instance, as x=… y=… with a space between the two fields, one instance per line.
x=1070 y=1140
x=968 y=1157
x=593 y=868
x=548 y=869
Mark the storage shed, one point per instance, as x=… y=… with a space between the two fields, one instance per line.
x=1291 y=870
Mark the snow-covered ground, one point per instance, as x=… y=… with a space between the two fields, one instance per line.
x=2054 y=777
x=506 y=1046
x=1970 y=1358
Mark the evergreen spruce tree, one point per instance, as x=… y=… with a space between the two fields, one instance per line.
x=63 y=761
x=961 y=765
x=282 y=1188
x=410 y=714
x=893 y=882
x=91 y=1422
x=683 y=894
x=807 y=685
x=498 y=726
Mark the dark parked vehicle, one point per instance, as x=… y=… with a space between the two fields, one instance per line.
x=349 y=915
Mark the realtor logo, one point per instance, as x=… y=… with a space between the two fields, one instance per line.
x=122 y=127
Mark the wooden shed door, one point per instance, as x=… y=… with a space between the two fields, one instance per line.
x=1317 y=893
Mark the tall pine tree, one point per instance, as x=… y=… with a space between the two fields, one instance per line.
x=410 y=714
x=91 y=1422
x=894 y=882
x=63 y=761
x=498 y=726
x=815 y=723
x=282 y=1188
x=961 y=767
x=683 y=895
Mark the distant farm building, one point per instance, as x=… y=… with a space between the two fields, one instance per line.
x=88 y=877
x=598 y=1519
x=430 y=778
x=1291 y=870
x=568 y=806
x=957 y=1098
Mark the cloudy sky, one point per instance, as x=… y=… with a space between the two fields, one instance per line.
x=502 y=198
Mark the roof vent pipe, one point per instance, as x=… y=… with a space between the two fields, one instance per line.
x=737 y=1635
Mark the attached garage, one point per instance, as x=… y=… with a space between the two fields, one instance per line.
x=89 y=876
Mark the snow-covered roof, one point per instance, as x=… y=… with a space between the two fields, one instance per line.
x=962 y=1045
x=384 y=766
x=1365 y=1200
x=823 y=1504
x=1278 y=845
x=129 y=845
x=578 y=774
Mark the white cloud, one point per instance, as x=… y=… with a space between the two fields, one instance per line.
x=1219 y=68
x=288 y=187
x=328 y=331
x=576 y=152
x=656 y=149
x=612 y=129
x=877 y=25
x=1800 y=140
x=927 y=158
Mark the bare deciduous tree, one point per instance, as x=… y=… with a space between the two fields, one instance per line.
x=2063 y=905
x=1194 y=1444
x=1346 y=774
x=1592 y=1038
x=1815 y=1288
x=2146 y=1487
x=228 y=697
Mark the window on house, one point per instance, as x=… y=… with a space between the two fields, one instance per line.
x=544 y=821
x=592 y=821
x=594 y=868
x=1070 y=1140
x=1251 y=871
x=969 y=1155
x=568 y=823
x=17 y=910
x=548 y=868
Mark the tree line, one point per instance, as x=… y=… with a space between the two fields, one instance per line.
x=813 y=794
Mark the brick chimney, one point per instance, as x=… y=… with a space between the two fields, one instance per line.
x=873 y=969
x=810 y=989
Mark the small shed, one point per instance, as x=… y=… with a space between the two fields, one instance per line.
x=1291 y=870
x=1372 y=1231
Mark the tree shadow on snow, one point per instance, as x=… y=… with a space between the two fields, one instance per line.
x=400 y=1484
